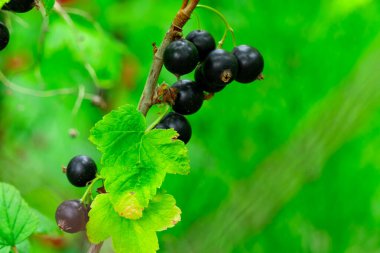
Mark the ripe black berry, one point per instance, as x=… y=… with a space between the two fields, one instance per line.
x=189 y=97
x=19 y=5
x=220 y=67
x=203 y=41
x=81 y=170
x=179 y=123
x=250 y=61
x=71 y=216
x=4 y=36
x=181 y=57
x=204 y=84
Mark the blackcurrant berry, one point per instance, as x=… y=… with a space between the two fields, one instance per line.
x=204 y=84
x=161 y=126
x=179 y=123
x=250 y=62
x=19 y=6
x=189 y=97
x=203 y=41
x=220 y=67
x=81 y=170
x=181 y=57
x=71 y=216
x=4 y=36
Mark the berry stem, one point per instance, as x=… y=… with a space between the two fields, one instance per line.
x=159 y=118
x=88 y=191
x=228 y=27
x=183 y=15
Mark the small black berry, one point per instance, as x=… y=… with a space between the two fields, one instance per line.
x=81 y=170
x=220 y=67
x=161 y=126
x=19 y=6
x=203 y=41
x=181 y=57
x=4 y=36
x=189 y=97
x=204 y=84
x=250 y=61
x=179 y=123
x=71 y=216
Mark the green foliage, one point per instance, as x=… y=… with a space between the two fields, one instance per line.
x=2 y=2
x=134 y=236
x=48 y=5
x=135 y=161
x=17 y=220
x=253 y=180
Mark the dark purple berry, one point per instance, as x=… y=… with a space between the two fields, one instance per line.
x=189 y=97
x=181 y=57
x=81 y=170
x=220 y=67
x=161 y=126
x=4 y=36
x=203 y=41
x=71 y=216
x=250 y=61
x=179 y=123
x=204 y=84
x=19 y=6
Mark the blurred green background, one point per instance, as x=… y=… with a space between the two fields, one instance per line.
x=288 y=164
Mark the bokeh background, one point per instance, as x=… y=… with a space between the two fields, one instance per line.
x=288 y=164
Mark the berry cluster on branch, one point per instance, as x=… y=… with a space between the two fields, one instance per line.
x=215 y=68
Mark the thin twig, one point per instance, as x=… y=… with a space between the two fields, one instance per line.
x=183 y=15
x=95 y=248
x=14 y=249
x=40 y=93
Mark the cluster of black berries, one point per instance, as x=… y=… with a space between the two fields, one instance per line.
x=19 y=6
x=214 y=70
x=72 y=215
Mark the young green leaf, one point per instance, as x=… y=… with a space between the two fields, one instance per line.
x=135 y=162
x=48 y=4
x=5 y=249
x=133 y=236
x=2 y=2
x=17 y=220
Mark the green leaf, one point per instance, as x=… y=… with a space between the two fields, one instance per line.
x=2 y=2
x=45 y=224
x=135 y=162
x=48 y=4
x=133 y=236
x=99 y=56
x=17 y=220
x=5 y=249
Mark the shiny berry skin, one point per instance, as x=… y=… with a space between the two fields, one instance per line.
x=220 y=67
x=4 y=36
x=204 y=84
x=179 y=123
x=203 y=41
x=19 y=6
x=181 y=57
x=81 y=170
x=71 y=216
x=250 y=61
x=189 y=97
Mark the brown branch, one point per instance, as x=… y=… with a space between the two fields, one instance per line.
x=183 y=15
